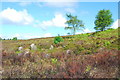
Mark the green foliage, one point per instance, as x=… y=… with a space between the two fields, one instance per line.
x=54 y=60
x=88 y=52
x=107 y=43
x=14 y=38
x=17 y=52
x=103 y=20
x=73 y=23
x=82 y=36
x=78 y=49
x=58 y=39
x=110 y=29
x=88 y=68
x=68 y=33
x=0 y=38
x=118 y=78
x=56 y=42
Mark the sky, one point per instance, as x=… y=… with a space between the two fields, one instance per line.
x=26 y=20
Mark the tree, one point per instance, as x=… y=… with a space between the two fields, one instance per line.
x=74 y=24
x=103 y=20
x=0 y=38
x=14 y=38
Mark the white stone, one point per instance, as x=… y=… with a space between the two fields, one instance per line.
x=47 y=55
x=63 y=46
x=20 y=48
x=27 y=51
x=33 y=47
x=20 y=54
x=1 y=71
x=51 y=47
x=68 y=51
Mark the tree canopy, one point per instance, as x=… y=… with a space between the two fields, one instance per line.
x=103 y=20
x=74 y=23
x=14 y=38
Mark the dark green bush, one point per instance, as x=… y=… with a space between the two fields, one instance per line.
x=14 y=38
x=58 y=39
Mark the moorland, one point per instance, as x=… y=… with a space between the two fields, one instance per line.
x=88 y=55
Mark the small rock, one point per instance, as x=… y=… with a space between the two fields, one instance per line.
x=33 y=47
x=20 y=48
x=68 y=51
x=51 y=47
x=47 y=55
x=20 y=54
x=1 y=71
x=64 y=46
x=27 y=51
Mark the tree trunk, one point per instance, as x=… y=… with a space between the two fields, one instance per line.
x=74 y=31
x=102 y=29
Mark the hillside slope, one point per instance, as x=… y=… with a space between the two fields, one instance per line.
x=90 y=55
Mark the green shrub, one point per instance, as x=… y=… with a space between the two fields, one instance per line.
x=107 y=43
x=14 y=38
x=17 y=52
x=88 y=68
x=54 y=60
x=58 y=39
x=110 y=29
